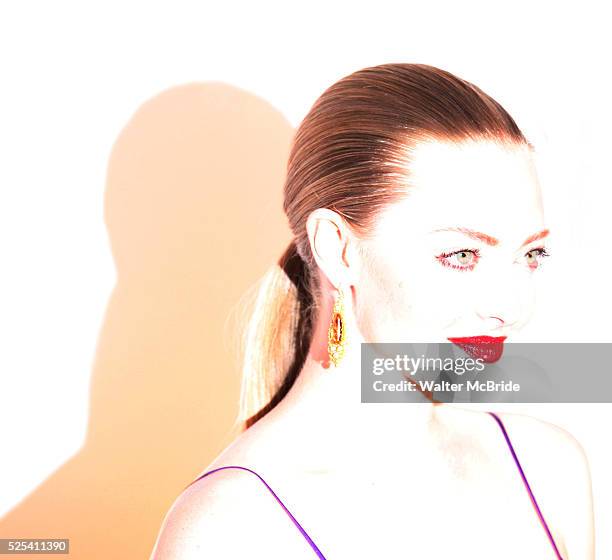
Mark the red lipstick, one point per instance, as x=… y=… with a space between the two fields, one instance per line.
x=487 y=348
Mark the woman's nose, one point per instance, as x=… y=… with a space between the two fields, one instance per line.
x=501 y=300
x=492 y=322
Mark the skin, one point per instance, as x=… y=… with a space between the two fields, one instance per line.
x=432 y=480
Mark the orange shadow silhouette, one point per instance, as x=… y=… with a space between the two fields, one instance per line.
x=193 y=208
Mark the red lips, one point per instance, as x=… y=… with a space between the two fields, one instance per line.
x=487 y=348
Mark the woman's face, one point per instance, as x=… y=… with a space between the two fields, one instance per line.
x=457 y=257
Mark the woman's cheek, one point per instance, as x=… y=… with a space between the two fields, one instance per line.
x=445 y=294
x=527 y=303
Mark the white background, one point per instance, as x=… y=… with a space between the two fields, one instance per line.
x=72 y=74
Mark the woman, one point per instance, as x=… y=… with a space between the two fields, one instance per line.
x=417 y=216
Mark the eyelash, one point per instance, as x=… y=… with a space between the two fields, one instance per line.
x=543 y=252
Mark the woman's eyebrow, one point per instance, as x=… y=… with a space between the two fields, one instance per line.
x=536 y=236
x=488 y=239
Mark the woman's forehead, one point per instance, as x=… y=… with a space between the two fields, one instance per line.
x=472 y=166
x=481 y=185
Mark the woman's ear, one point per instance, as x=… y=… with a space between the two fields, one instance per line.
x=332 y=245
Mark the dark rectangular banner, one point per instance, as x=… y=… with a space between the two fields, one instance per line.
x=486 y=373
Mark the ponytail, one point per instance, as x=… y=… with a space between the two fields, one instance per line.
x=277 y=336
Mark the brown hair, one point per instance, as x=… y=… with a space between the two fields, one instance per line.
x=351 y=154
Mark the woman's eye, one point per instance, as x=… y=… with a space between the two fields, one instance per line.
x=535 y=257
x=465 y=259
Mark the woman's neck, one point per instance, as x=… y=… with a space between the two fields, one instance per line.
x=324 y=404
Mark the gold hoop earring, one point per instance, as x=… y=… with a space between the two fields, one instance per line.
x=336 y=335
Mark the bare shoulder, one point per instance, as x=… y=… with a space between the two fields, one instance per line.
x=231 y=512
x=563 y=441
x=556 y=449
x=204 y=517
x=227 y=514
x=557 y=469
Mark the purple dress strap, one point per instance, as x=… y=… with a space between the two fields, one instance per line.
x=301 y=529
x=533 y=500
x=320 y=554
